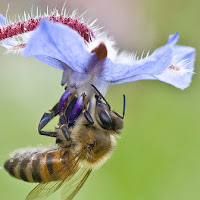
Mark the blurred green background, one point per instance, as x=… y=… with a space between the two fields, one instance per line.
x=158 y=155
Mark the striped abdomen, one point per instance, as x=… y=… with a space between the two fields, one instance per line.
x=37 y=165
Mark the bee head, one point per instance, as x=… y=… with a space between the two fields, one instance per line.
x=107 y=119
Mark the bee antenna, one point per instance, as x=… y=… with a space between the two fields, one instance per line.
x=122 y=117
x=99 y=93
x=124 y=97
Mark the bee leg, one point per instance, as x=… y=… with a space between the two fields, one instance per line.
x=45 y=120
x=64 y=116
x=47 y=133
x=63 y=127
x=88 y=116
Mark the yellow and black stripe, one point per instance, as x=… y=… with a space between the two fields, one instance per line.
x=38 y=165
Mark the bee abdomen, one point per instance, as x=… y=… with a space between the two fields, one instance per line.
x=18 y=165
x=36 y=166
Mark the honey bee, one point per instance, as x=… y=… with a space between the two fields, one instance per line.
x=70 y=162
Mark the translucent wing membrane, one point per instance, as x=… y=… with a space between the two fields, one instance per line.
x=66 y=172
x=43 y=190
x=71 y=187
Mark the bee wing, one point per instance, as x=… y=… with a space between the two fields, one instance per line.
x=43 y=190
x=48 y=187
x=71 y=187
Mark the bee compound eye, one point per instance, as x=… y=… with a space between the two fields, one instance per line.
x=105 y=119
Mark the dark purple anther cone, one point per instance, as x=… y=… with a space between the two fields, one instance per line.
x=76 y=110
x=63 y=99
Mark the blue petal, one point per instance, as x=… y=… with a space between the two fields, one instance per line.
x=58 y=41
x=180 y=57
x=51 y=61
x=7 y=41
x=154 y=64
x=184 y=58
x=2 y=20
x=135 y=78
x=173 y=39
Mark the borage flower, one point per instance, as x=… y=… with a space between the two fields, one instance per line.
x=87 y=56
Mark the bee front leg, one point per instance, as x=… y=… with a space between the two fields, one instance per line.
x=64 y=116
x=88 y=116
x=64 y=127
x=46 y=118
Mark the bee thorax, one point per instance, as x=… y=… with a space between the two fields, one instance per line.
x=102 y=150
x=99 y=142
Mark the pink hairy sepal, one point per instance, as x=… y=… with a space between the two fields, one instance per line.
x=31 y=24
